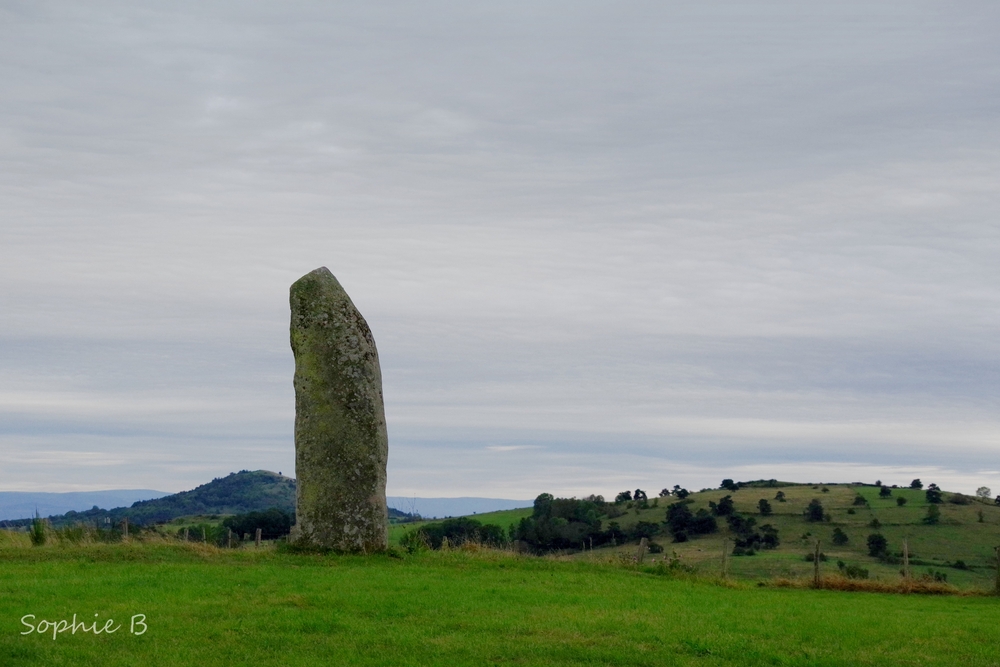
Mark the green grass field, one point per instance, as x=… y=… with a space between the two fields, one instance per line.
x=205 y=606
x=503 y=518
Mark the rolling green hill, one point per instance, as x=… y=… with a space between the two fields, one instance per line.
x=236 y=493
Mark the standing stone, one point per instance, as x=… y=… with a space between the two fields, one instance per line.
x=341 y=445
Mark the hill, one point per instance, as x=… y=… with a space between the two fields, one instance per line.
x=236 y=493
x=24 y=504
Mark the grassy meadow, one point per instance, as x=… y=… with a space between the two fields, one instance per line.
x=206 y=606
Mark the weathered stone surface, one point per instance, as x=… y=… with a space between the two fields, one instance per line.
x=341 y=445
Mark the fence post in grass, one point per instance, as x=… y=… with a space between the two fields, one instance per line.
x=126 y=528
x=906 y=559
x=996 y=587
x=641 y=553
x=257 y=539
x=816 y=565
x=204 y=535
x=230 y=538
x=725 y=558
x=185 y=533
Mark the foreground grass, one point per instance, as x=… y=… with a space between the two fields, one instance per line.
x=210 y=607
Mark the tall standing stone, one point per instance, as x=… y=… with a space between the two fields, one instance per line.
x=341 y=445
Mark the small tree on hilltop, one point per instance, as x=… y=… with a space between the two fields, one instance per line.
x=884 y=492
x=729 y=485
x=983 y=493
x=664 y=493
x=814 y=512
x=916 y=484
x=681 y=493
x=623 y=497
x=639 y=495
x=764 y=507
x=933 y=494
x=878 y=546
x=839 y=537
x=780 y=497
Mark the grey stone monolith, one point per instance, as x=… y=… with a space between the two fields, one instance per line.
x=341 y=445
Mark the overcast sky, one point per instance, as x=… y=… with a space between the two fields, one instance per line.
x=600 y=245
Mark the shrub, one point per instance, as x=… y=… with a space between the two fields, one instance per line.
x=884 y=492
x=273 y=524
x=852 y=571
x=811 y=557
x=37 y=533
x=681 y=520
x=839 y=537
x=814 y=512
x=780 y=497
x=729 y=485
x=878 y=546
x=851 y=510
x=960 y=499
x=900 y=501
x=916 y=484
x=623 y=497
x=875 y=523
x=825 y=490
x=933 y=515
x=764 y=507
x=681 y=493
x=664 y=493
x=654 y=548
x=960 y=565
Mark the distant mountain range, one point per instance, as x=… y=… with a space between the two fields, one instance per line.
x=237 y=493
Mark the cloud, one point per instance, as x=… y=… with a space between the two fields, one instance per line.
x=701 y=236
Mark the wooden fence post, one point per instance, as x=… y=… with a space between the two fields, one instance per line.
x=725 y=558
x=997 y=585
x=816 y=579
x=204 y=535
x=906 y=559
x=257 y=539
x=229 y=538
x=641 y=553
x=126 y=528
x=185 y=533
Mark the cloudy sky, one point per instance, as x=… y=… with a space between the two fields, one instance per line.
x=600 y=245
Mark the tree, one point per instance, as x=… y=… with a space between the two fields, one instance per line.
x=878 y=482
x=814 y=512
x=860 y=500
x=900 y=501
x=916 y=484
x=681 y=493
x=933 y=494
x=780 y=496
x=724 y=508
x=623 y=497
x=839 y=537
x=729 y=485
x=933 y=515
x=878 y=546
x=983 y=493
x=764 y=507
x=884 y=492
x=639 y=495
x=664 y=493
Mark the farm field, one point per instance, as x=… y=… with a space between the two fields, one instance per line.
x=205 y=606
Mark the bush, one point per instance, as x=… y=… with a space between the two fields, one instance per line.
x=960 y=565
x=884 y=492
x=273 y=524
x=38 y=532
x=933 y=515
x=878 y=546
x=851 y=510
x=875 y=523
x=960 y=499
x=764 y=507
x=623 y=497
x=729 y=485
x=811 y=557
x=852 y=571
x=681 y=520
x=814 y=512
x=654 y=548
x=860 y=500
x=900 y=501
x=839 y=537
x=780 y=497
x=460 y=530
